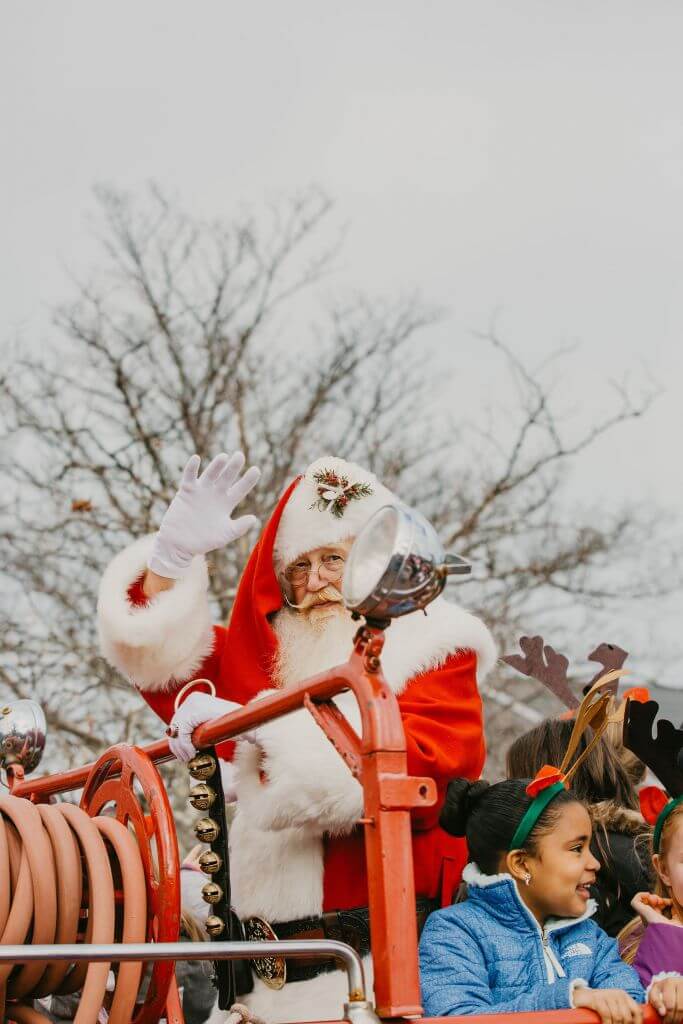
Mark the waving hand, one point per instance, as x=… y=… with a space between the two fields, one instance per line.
x=199 y=519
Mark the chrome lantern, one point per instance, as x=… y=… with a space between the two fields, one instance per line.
x=22 y=734
x=397 y=565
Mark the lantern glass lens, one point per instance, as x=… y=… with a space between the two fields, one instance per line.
x=370 y=555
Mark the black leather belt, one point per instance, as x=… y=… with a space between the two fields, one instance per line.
x=349 y=926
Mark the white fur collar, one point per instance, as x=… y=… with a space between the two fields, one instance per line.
x=417 y=643
x=473 y=876
x=478 y=880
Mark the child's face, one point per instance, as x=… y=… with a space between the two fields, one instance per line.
x=669 y=865
x=563 y=869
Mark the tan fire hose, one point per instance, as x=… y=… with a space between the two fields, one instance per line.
x=67 y=878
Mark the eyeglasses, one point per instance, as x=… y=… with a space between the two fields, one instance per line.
x=331 y=568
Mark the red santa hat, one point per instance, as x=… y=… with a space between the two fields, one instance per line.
x=310 y=514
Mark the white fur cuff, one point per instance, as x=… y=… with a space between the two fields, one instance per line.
x=662 y=976
x=573 y=985
x=163 y=642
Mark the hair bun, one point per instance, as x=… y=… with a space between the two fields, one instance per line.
x=462 y=796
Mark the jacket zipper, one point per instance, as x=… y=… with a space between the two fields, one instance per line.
x=552 y=964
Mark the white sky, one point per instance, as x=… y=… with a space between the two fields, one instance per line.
x=518 y=156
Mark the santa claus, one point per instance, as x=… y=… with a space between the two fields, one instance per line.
x=296 y=845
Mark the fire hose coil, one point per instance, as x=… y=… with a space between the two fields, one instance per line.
x=67 y=878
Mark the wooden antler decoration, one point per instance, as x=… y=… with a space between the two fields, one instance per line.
x=610 y=657
x=542 y=662
x=664 y=754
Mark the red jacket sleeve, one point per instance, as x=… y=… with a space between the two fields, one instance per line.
x=443 y=722
x=162 y=701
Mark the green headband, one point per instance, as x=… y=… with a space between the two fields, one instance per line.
x=664 y=814
x=533 y=813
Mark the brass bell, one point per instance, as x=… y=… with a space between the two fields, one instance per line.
x=212 y=893
x=210 y=862
x=202 y=766
x=214 y=926
x=202 y=796
x=206 y=830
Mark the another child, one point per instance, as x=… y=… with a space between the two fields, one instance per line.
x=660 y=951
x=602 y=781
x=523 y=939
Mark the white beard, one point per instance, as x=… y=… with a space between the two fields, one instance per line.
x=310 y=645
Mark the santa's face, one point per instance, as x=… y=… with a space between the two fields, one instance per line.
x=313 y=581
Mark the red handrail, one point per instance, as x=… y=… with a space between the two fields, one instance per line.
x=378 y=758
x=537 y=1017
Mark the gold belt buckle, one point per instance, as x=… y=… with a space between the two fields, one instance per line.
x=272 y=970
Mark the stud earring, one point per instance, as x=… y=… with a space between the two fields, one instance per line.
x=527 y=878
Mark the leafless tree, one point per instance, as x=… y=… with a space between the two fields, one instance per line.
x=202 y=336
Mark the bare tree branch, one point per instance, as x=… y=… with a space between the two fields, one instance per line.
x=204 y=336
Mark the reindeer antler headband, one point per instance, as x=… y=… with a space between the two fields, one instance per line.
x=542 y=662
x=592 y=712
x=662 y=754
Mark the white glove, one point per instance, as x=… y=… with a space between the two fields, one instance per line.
x=196 y=709
x=198 y=519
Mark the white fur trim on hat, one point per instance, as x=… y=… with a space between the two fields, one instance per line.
x=160 y=643
x=308 y=521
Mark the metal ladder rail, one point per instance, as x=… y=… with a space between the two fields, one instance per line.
x=358 y=1009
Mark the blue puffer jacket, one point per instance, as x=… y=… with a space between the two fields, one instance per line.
x=490 y=955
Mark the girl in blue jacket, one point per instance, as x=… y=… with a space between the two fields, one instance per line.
x=523 y=939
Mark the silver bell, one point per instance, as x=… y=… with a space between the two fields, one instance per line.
x=22 y=734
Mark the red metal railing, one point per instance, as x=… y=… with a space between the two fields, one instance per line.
x=378 y=759
x=538 y=1017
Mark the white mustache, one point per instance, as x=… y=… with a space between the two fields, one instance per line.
x=327 y=595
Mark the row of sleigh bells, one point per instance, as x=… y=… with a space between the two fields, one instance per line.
x=207 y=830
x=204 y=767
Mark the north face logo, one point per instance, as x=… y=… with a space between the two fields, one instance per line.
x=578 y=949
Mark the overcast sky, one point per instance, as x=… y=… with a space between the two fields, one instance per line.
x=518 y=156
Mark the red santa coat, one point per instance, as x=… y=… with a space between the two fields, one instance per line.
x=296 y=849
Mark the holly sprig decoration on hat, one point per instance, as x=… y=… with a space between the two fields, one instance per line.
x=335 y=492
x=594 y=713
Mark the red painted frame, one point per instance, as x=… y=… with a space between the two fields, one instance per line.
x=378 y=759
x=112 y=781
